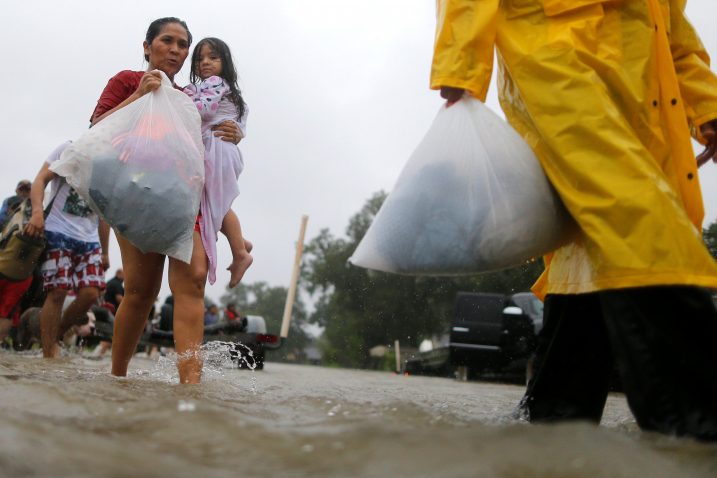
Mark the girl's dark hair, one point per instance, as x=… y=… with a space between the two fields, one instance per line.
x=229 y=72
x=156 y=26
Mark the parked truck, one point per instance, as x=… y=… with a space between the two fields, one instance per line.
x=488 y=332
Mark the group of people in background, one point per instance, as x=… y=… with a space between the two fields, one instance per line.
x=12 y=292
x=16 y=296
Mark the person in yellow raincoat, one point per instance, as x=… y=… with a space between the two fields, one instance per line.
x=607 y=94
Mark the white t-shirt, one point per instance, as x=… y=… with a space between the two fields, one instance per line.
x=70 y=214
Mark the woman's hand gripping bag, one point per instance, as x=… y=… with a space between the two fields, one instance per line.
x=142 y=170
x=472 y=198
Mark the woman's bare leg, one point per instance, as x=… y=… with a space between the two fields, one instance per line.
x=50 y=322
x=187 y=283
x=241 y=259
x=143 y=279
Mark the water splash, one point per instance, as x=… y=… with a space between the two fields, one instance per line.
x=216 y=353
x=218 y=357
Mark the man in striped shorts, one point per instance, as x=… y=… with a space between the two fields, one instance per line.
x=76 y=256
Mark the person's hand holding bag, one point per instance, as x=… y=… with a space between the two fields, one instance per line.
x=451 y=94
x=709 y=133
x=149 y=82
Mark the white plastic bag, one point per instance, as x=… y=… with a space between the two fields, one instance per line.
x=472 y=198
x=142 y=170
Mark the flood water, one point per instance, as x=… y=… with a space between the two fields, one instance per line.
x=69 y=417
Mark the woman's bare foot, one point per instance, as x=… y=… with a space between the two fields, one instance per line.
x=249 y=246
x=238 y=267
x=54 y=352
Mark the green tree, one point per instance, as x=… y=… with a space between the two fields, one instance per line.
x=261 y=299
x=360 y=309
x=510 y=281
x=710 y=237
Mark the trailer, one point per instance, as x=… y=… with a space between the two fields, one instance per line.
x=247 y=334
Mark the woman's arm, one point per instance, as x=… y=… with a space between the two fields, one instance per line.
x=228 y=131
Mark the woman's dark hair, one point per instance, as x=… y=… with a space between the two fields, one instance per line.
x=229 y=72
x=156 y=26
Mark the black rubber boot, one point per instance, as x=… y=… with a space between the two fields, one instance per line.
x=665 y=343
x=573 y=362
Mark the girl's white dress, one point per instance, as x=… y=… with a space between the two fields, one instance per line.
x=223 y=162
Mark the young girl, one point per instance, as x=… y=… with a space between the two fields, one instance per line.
x=215 y=92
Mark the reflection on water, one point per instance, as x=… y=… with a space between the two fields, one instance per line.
x=69 y=417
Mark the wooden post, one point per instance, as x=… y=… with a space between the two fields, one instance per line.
x=397 y=348
x=291 y=296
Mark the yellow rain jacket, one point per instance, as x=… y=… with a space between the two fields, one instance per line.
x=605 y=92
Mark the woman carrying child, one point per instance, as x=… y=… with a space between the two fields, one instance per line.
x=166 y=47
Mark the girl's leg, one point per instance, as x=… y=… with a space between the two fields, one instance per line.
x=143 y=278
x=187 y=283
x=240 y=248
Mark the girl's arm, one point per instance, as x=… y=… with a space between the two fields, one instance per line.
x=207 y=96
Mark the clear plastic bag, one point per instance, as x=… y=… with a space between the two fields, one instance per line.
x=142 y=170
x=472 y=198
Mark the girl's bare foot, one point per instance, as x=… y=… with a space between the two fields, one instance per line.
x=238 y=267
x=249 y=246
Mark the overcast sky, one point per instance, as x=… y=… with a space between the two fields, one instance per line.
x=337 y=90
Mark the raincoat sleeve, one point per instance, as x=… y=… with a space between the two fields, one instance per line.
x=465 y=38
x=698 y=85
